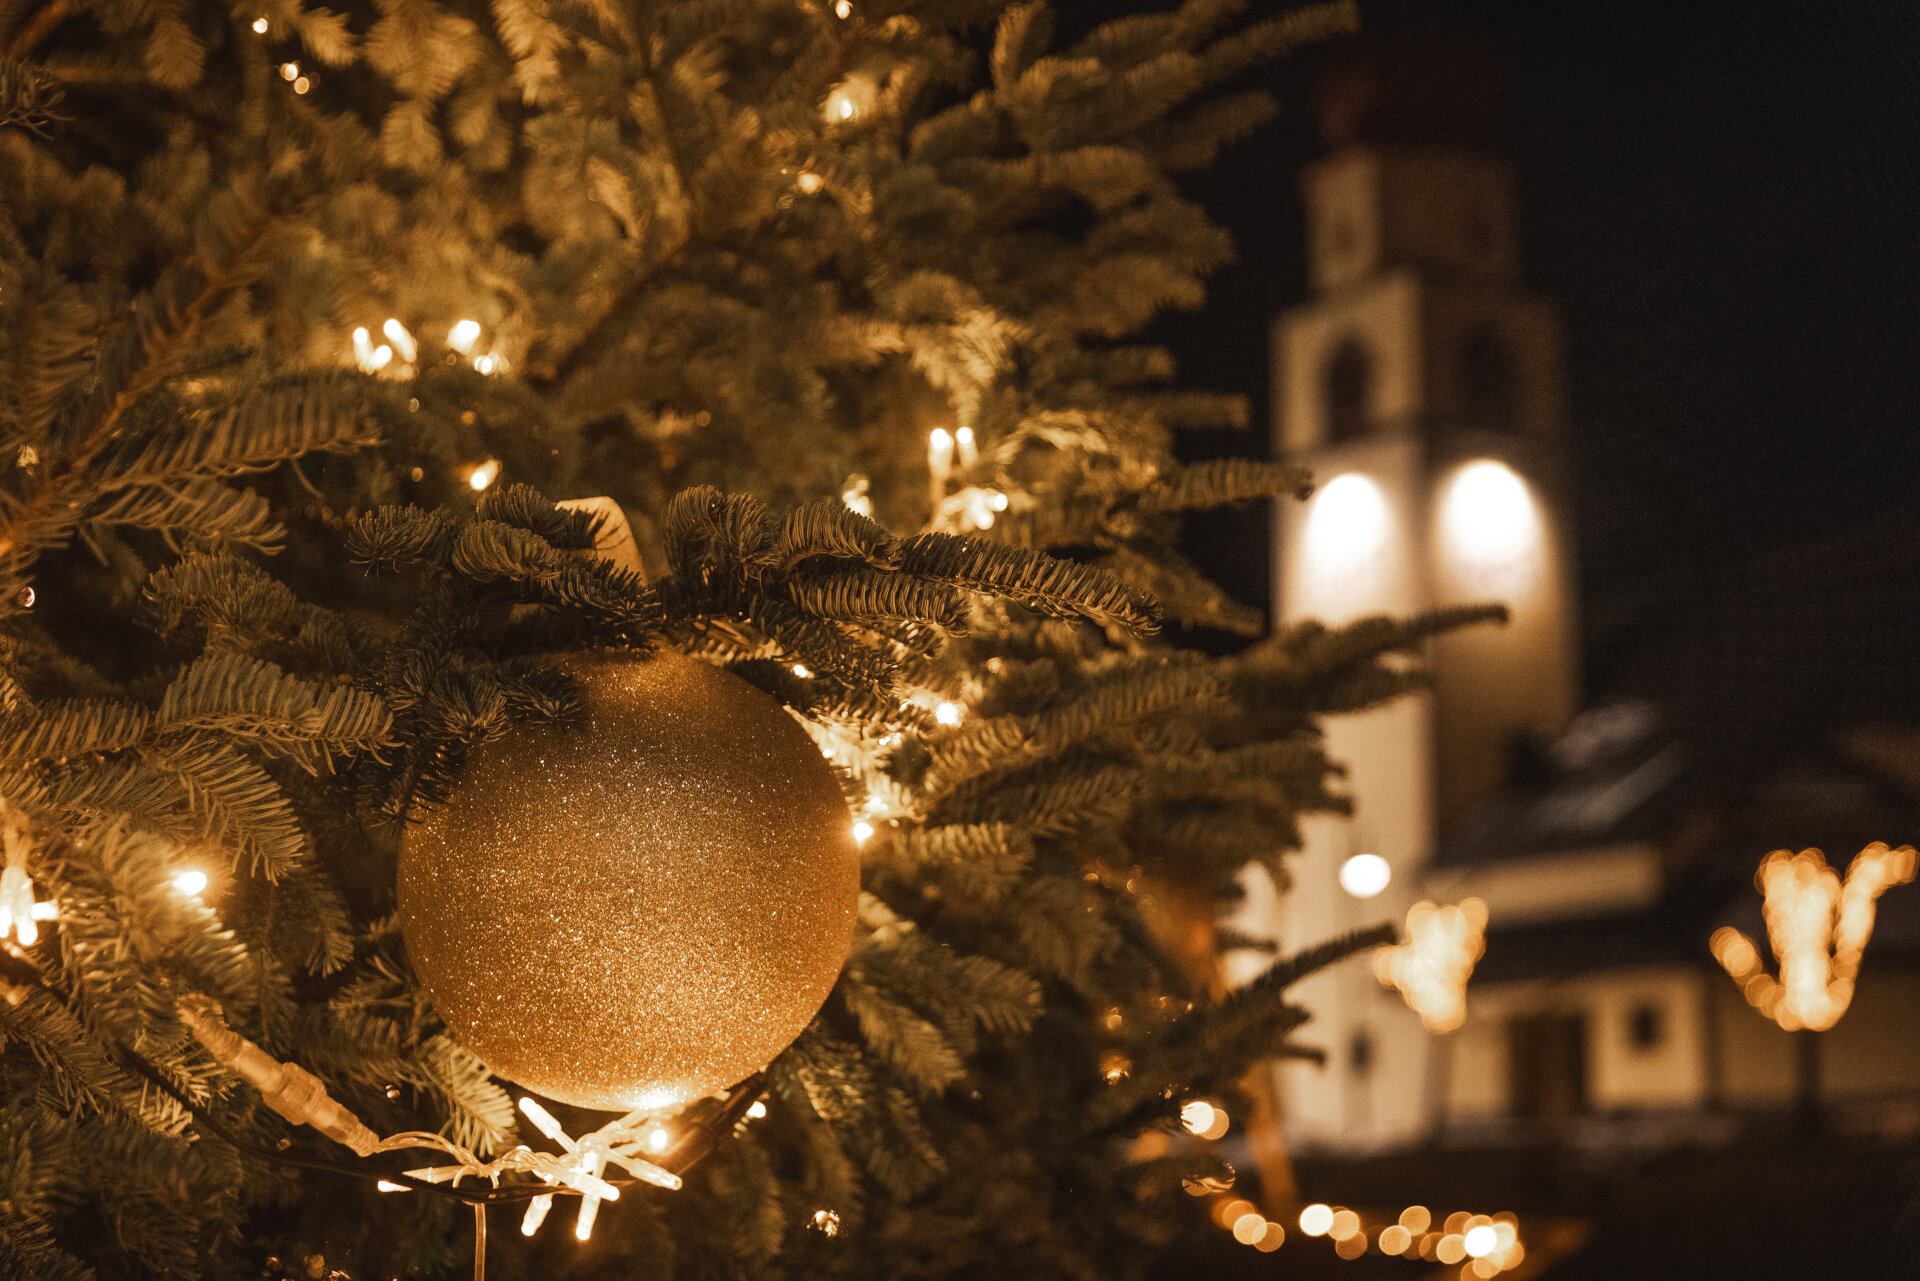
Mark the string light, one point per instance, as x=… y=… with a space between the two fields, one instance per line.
x=802 y=671
x=463 y=335
x=483 y=475
x=947 y=713
x=1365 y=875
x=843 y=9
x=20 y=914
x=809 y=182
x=1480 y=1241
x=259 y=26
x=302 y=84
x=289 y=71
x=1818 y=926
x=191 y=883
x=963 y=442
x=402 y=340
x=1431 y=968
x=486 y=364
x=826 y=1222
x=757 y=1111
x=855 y=496
x=1316 y=1219
x=862 y=832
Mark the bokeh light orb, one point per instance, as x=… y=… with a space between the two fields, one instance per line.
x=1365 y=875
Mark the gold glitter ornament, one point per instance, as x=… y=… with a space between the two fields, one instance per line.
x=640 y=909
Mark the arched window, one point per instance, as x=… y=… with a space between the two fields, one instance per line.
x=1346 y=389
x=1489 y=383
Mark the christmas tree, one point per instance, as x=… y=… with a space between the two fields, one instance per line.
x=308 y=318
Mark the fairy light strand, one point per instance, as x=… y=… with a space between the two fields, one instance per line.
x=1430 y=970
x=1818 y=926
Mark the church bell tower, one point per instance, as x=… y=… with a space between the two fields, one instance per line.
x=1422 y=387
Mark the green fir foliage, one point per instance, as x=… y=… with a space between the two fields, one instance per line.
x=725 y=261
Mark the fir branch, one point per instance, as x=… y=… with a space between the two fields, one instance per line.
x=396 y=538
x=826 y=527
x=66 y=728
x=1219 y=482
x=252 y=700
x=1041 y=582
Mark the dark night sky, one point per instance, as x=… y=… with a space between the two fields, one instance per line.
x=1721 y=199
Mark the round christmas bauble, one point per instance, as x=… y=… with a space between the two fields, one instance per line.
x=641 y=908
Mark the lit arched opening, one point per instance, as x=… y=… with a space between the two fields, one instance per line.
x=1489 y=381
x=1346 y=392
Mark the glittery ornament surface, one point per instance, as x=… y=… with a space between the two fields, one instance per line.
x=642 y=908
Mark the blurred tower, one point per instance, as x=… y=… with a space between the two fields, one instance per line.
x=1423 y=389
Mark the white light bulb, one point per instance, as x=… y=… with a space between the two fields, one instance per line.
x=802 y=671
x=862 y=832
x=463 y=335
x=757 y=1111
x=260 y=26
x=483 y=475
x=1365 y=875
x=191 y=883
x=1196 y=1116
x=402 y=340
x=1481 y=1241
x=947 y=713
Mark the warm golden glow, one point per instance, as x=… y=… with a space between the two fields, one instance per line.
x=1365 y=875
x=1818 y=926
x=1271 y=1239
x=1316 y=1219
x=260 y=26
x=1196 y=1116
x=947 y=713
x=1431 y=968
x=1481 y=1241
x=191 y=883
x=463 y=335
x=1395 y=1240
x=1249 y=1228
x=483 y=475
x=826 y=1221
x=1450 y=1250
x=1491 y=527
x=1345 y=1224
x=1347 y=530
x=1416 y=1218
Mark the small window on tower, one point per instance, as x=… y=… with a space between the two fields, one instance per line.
x=1489 y=382
x=1347 y=392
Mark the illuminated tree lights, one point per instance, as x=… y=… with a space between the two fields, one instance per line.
x=1432 y=967
x=1818 y=926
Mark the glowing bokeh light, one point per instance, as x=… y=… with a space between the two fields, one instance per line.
x=1347 y=529
x=1249 y=1228
x=1491 y=526
x=191 y=883
x=1481 y=1241
x=1316 y=1219
x=1345 y=1224
x=1365 y=875
x=1432 y=967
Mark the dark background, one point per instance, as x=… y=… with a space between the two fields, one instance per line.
x=1720 y=199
